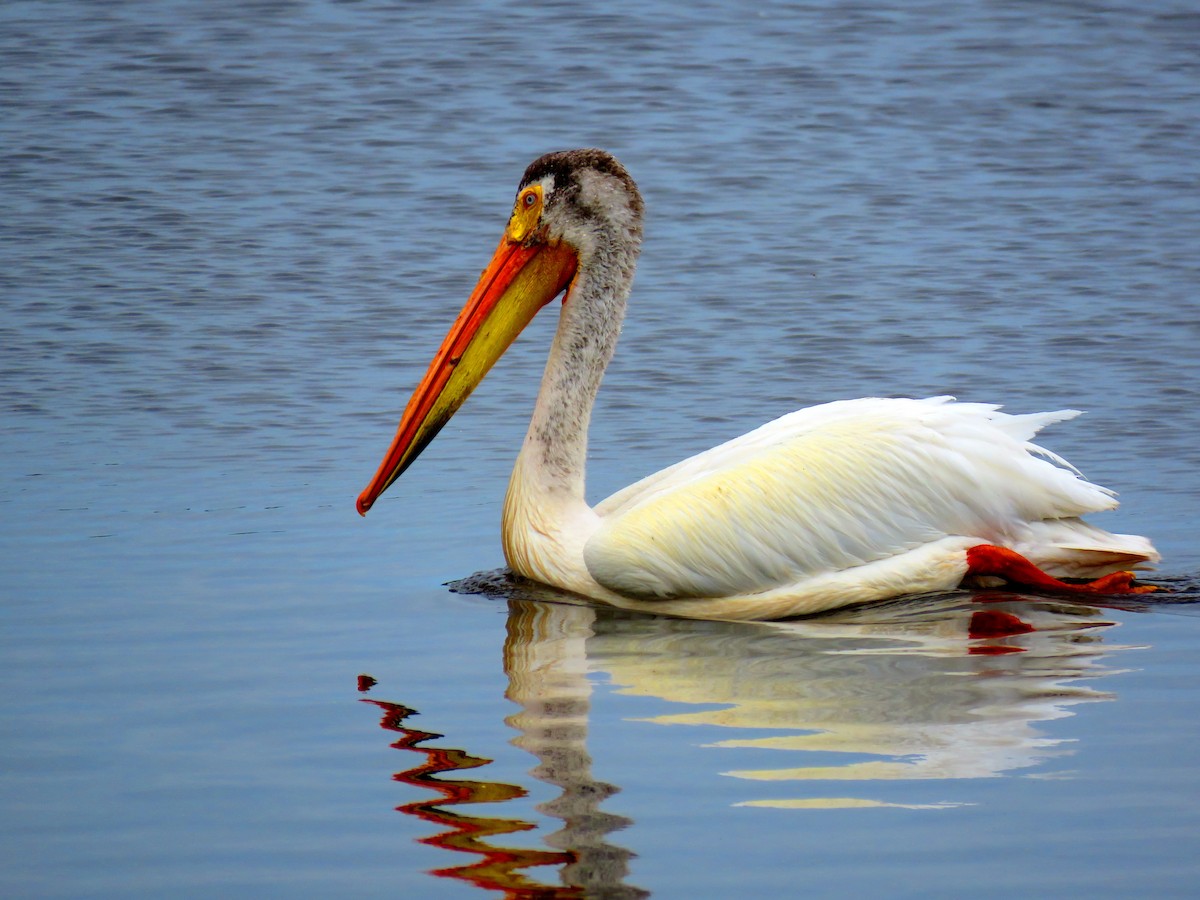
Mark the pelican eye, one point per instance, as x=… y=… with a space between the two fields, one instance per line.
x=526 y=215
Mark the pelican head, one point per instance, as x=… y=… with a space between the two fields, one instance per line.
x=575 y=210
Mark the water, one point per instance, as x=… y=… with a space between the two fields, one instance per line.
x=231 y=236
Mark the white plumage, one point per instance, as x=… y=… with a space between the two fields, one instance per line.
x=830 y=488
x=836 y=504
x=840 y=503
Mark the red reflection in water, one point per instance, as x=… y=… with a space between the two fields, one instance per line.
x=991 y=624
x=499 y=868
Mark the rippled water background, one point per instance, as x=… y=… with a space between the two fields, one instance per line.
x=231 y=236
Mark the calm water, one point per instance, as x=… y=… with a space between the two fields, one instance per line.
x=231 y=236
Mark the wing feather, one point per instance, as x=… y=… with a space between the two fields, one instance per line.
x=832 y=487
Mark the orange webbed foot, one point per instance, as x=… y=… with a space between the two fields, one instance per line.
x=991 y=560
x=1116 y=583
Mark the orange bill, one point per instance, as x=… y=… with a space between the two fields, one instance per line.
x=517 y=282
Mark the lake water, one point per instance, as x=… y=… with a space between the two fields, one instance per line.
x=231 y=236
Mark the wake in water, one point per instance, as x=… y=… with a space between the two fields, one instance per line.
x=1176 y=594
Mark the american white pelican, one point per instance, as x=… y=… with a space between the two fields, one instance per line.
x=836 y=504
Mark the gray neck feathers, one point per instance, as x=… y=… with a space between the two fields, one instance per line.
x=588 y=328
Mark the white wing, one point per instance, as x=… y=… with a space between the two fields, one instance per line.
x=831 y=487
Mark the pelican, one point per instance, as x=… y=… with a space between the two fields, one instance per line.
x=833 y=505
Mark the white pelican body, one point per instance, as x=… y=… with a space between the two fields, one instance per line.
x=828 y=506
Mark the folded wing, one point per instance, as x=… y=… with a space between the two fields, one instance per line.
x=832 y=487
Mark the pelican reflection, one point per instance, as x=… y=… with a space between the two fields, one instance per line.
x=954 y=687
x=885 y=705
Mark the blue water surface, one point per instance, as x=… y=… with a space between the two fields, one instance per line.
x=231 y=236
